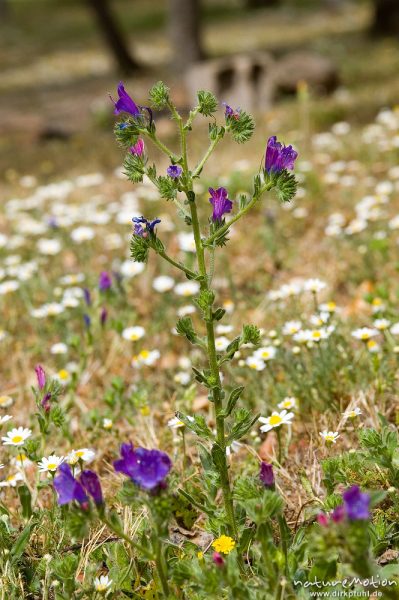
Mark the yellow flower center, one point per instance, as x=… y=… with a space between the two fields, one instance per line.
x=51 y=466
x=79 y=453
x=63 y=374
x=330 y=438
x=144 y=354
x=265 y=354
x=17 y=439
x=134 y=337
x=365 y=336
x=316 y=335
x=275 y=420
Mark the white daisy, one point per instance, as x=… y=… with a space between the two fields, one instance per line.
x=276 y=419
x=102 y=584
x=130 y=269
x=352 y=414
x=175 y=423
x=187 y=288
x=255 y=363
x=381 y=324
x=182 y=377
x=5 y=401
x=84 y=454
x=50 y=464
x=314 y=285
x=16 y=436
x=287 y=403
x=107 y=423
x=12 y=480
x=163 y=283
x=265 y=353
x=146 y=357
x=221 y=343
x=133 y=333
x=63 y=377
x=5 y=419
x=59 y=348
x=291 y=327
x=364 y=333
x=330 y=437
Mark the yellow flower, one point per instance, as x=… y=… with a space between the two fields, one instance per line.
x=200 y=555
x=145 y=411
x=224 y=544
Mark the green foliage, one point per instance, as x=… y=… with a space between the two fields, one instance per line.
x=250 y=335
x=207 y=103
x=167 y=187
x=126 y=133
x=184 y=327
x=159 y=95
x=243 y=422
x=133 y=168
x=241 y=128
x=139 y=249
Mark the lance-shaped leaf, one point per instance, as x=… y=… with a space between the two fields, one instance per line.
x=243 y=422
x=218 y=457
x=232 y=401
x=197 y=424
x=184 y=327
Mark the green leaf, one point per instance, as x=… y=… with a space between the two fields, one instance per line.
x=218 y=457
x=133 y=167
x=198 y=425
x=184 y=327
x=244 y=421
x=139 y=249
x=26 y=501
x=232 y=401
x=18 y=548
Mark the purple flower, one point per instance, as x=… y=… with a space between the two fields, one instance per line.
x=266 y=475
x=221 y=204
x=338 y=514
x=103 y=316
x=87 y=296
x=322 y=519
x=125 y=103
x=46 y=401
x=356 y=504
x=67 y=487
x=279 y=157
x=138 y=148
x=87 y=320
x=104 y=281
x=147 y=468
x=41 y=376
x=92 y=485
x=174 y=171
x=230 y=112
x=218 y=559
x=142 y=227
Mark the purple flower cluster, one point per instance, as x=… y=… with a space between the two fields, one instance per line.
x=220 y=202
x=142 y=227
x=69 y=489
x=266 y=475
x=356 y=507
x=174 y=171
x=279 y=157
x=146 y=468
x=104 y=281
x=138 y=148
x=125 y=103
x=229 y=112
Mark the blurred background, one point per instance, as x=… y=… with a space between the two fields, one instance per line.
x=299 y=65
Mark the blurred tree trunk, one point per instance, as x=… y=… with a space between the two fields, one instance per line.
x=386 y=17
x=113 y=36
x=185 y=33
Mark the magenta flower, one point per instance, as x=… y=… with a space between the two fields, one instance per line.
x=67 y=487
x=322 y=519
x=279 y=157
x=125 y=103
x=356 y=504
x=41 y=376
x=266 y=475
x=220 y=202
x=218 y=559
x=338 y=514
x=174 y=171
x=104 y=281
x=146 y=468
x=138 y=148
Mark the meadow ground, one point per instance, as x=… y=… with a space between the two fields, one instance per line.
x=317 y=275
